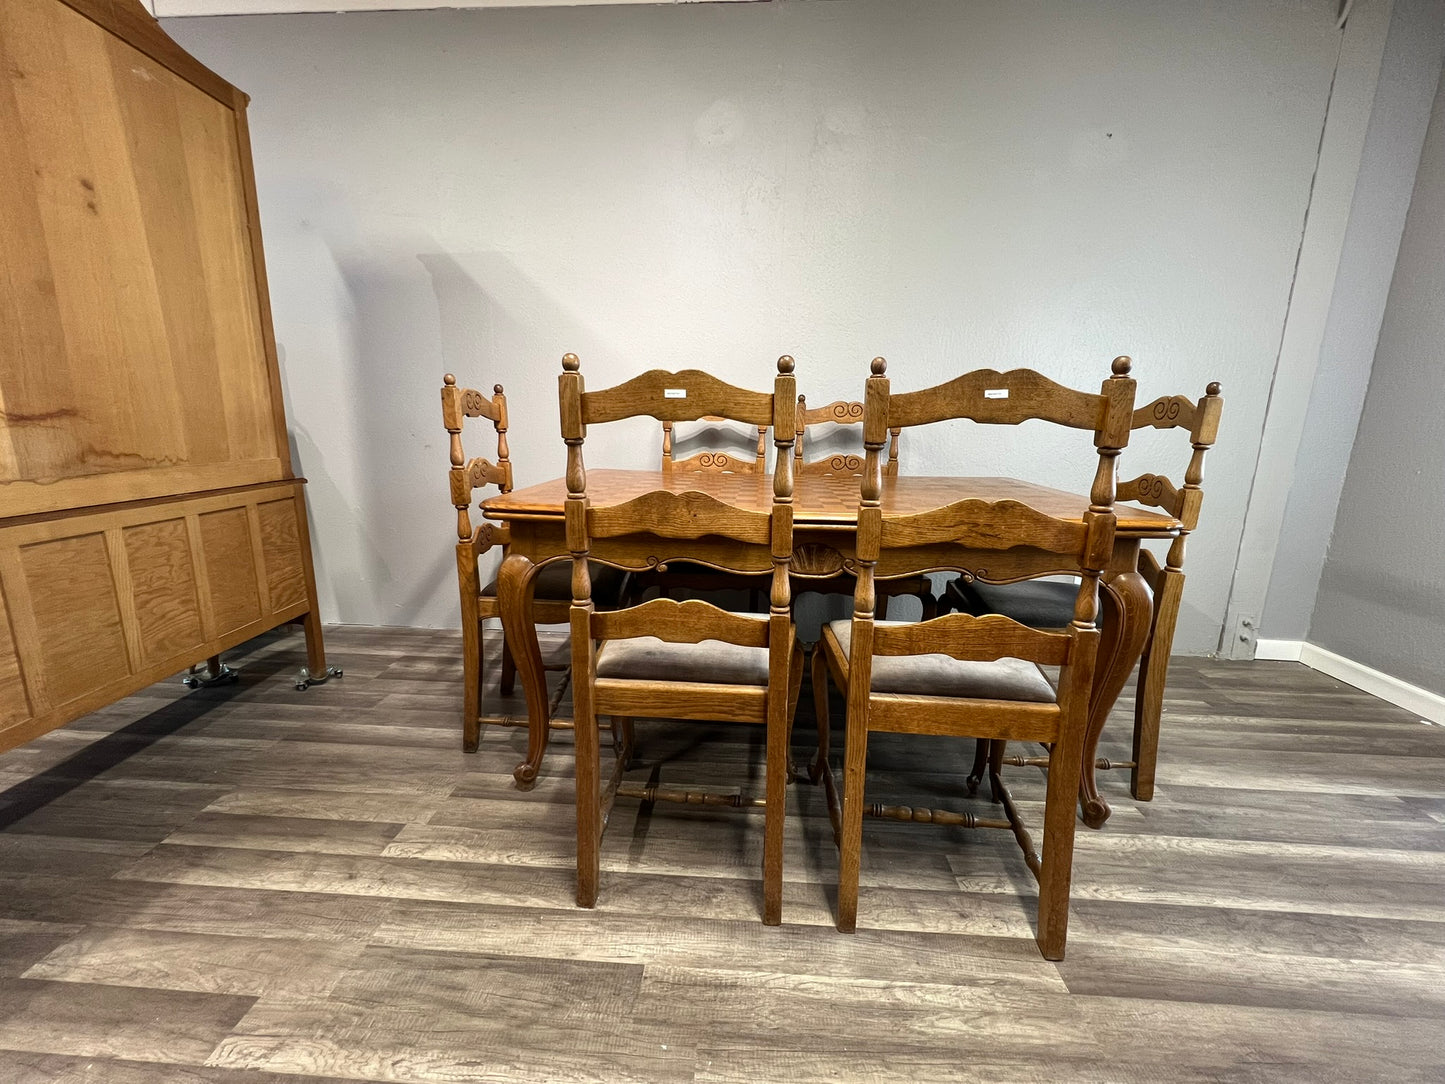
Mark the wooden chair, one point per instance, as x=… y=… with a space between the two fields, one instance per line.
x=713 y=461
x=846 y=464
x=1047 y=604
x=683 y=577
x=840 y=412
x=554 y=592
x=670 y=659
x=969 y=676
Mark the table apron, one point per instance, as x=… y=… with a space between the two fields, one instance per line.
x=819 y=552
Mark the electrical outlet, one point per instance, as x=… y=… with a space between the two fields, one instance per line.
x=1242 y=639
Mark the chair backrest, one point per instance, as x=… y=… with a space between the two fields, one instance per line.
x=845 y=464
x=467 y=475
x=994 y=398
x=713 y=461
x=638 y=533
x=1018 y=541
x=1156 y=490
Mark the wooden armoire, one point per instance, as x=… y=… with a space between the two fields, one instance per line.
x=149 y=515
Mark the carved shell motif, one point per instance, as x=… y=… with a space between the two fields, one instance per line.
x=816 y=559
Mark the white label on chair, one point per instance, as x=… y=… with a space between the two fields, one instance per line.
x=674 y=393
x=995 y=393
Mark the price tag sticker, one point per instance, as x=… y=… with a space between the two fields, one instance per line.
x=674 y=393
x=995 y=393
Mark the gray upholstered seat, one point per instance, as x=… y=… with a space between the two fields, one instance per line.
x=554 y=583
x=1040 y=604
x=646 y=658
x=943 y=675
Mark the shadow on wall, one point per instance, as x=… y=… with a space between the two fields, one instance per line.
x=385 y=521
x=396 y=530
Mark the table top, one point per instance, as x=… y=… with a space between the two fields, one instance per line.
x=817 y=501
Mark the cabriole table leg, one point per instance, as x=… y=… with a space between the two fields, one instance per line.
x=516 y=585
x=1126 y=608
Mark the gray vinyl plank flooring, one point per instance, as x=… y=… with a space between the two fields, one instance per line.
x=251 y=885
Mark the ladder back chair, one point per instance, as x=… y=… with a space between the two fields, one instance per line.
x=715 y=461
x=1046 y=604
x=667 y=659
x=479 y=602
x=682 y=576
x=849 y=465
x=967 y=676
x=840 y=412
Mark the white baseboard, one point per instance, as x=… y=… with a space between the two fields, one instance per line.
x=1278 y=650
x=1422 y=702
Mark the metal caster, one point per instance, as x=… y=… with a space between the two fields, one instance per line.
x=306 y=678
x=205 y=676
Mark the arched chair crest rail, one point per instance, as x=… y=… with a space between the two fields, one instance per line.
x=671 y=659
x=1046 y=604
x=965 y=676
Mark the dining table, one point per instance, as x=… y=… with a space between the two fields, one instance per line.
x=825 y=523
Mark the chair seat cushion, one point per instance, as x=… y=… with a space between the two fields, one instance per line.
x=646 y=658
x=554 y=583
x=943 y=675
x=1040 y=604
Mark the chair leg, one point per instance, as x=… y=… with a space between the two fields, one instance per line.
x=622 y=744
x=996 y=750
x=1153 y=676
x=820 y=715
x=586 y=743
x=795 y=688
x=775 y=810
x=471 y=685
x=855 y=757
x=930 y=605
x=980 y=764
x=508 y=681
x=1056 y=867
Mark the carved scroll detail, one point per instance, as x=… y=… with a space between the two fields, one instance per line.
x=1166 y=412
x=1151 y=489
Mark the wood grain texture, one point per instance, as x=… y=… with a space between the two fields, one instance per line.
x=14 y=700
x=109 y=370
x=71 y=581
x=137 y=365
x=74 y=605
x=164 y=584
x=820 y=500
x=282 y=554
x=231 y=568
x=203 y=887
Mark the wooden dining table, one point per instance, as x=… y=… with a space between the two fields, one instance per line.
x=824 y=525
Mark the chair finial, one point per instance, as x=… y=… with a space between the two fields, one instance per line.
x=571 y=363
x=449 y=380
x=497 y=389
x=785 y=363
x=1122 y=364
x=1213 y=388
x=879 y=366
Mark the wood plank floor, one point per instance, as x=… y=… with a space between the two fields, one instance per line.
x=258 y=885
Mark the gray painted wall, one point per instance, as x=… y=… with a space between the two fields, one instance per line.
x=951 y=184
x=1409 y=73
x=1382 y=596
